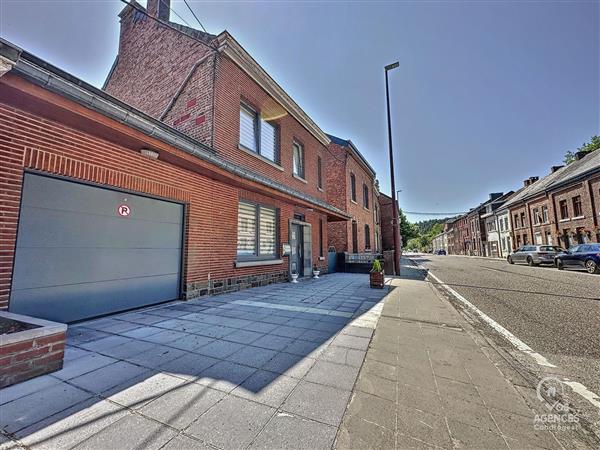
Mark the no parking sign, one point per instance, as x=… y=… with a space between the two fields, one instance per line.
x=124 y=210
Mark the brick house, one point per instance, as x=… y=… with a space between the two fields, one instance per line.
x=107 y=203
x=351 y=187
x=561 y=208
x=461 y=238
x=387 y=222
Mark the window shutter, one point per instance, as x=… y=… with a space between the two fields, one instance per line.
x=246 y=229
x=268 y=141
x=268 y=231
x=248 y=128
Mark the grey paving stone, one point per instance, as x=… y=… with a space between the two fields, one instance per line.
x=268 y=388
x=25 y=411
x=135 y=430
x=261 y=327
x=78 y=335
x=156 y=356
x=143 y=389
x=343 y=355
x=382 y=369
x=470 y=413
x=232 y=423
x=180 y=407
x=219 y=349
x=288 y=432
x=191 y=342
x=357 y=433
x=71 y=426
x=216 y=331
x=315 y=401
x=108 y=376
x=291 y=365
x=375 y=385
x=125 y=351
x=142 y=332
x=316 y=336
x=166 y=336
x=252 y=356
x=188 y=366
x=423 y=425
x=85 y=364
x=243 y=336
x=183 y=442
x=345 y=340
x=72 y=353
x=286 y=331
x=10 y=393
x=305 y=348
x=472 y=437
x=225 y=376
x=331 y=374
x=273 y=342
x=105 y=343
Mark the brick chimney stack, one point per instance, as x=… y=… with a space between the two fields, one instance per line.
x=159 y=8
x=529 y=181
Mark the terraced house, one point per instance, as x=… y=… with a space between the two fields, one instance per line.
x=185 y=176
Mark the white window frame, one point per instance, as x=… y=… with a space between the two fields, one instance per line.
x=257 y=125
x=257 y=255
x=302 y=166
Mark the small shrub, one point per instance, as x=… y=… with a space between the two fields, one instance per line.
x=376 y=266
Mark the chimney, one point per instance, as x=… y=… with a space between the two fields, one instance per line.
x=159 y=9
x=555 y=168
x=529 y=181
x=579 y=155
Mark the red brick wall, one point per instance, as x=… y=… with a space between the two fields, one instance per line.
x=542 y=228
x=387 y=231
x=27 y=141
x=153 y=62
x=521 y=234
x=340 y=165
x=585 y=223
x=21 y=361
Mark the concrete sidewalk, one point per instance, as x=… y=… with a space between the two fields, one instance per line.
x=429 y=382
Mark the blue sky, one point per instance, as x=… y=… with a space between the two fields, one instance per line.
x=487 y=93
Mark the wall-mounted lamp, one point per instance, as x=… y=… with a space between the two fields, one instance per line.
x=152 y=154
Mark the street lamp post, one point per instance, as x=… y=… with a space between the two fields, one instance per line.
x=395 y=215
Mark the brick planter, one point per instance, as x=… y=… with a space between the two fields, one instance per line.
x=36 y=348
x=376 y=279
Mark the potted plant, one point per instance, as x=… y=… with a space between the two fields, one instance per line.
x=376 y=275
x=316 y=272
x=294 y=277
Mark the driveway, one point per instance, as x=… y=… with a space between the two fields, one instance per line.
x=269 y=367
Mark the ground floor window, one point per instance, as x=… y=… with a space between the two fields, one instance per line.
x=367 y=237
x=257 y=231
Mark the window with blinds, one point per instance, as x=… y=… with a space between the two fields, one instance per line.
x=258 y=135
x=257 y=231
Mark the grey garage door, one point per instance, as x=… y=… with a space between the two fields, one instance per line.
x=83 y=251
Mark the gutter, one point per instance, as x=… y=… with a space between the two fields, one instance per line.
x=53 y=79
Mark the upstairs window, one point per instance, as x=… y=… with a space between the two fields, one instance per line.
x=258 y=135
x=353 y=187
x=319 y=173
x=564 y=209
x=545 y=214
x=366 y=196
x=257 y=231
x=298 y=159
x=537 y=219
x=577 y=209
x=367 y=237
x=523 y=223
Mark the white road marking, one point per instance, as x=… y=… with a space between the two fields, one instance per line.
x=577 y=387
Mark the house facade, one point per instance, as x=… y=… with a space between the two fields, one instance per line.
x=387 y=222
x=211 y=186
x=351 y=187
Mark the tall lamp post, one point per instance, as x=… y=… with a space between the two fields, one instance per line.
x=395 y=215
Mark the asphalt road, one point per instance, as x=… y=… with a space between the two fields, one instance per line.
x=556 y=313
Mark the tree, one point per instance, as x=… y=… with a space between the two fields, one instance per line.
x=586 y=148
x=408 y=230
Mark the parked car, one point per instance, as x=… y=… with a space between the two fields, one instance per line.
x=584 y=256
x=440 y=252
x=534 y=255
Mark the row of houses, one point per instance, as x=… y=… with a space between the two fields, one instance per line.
x=561 y=208
x=190 y=172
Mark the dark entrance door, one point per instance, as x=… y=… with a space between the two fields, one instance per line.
x=297 y=244
x=354 y=237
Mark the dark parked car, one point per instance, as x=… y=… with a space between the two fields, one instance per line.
x=584 y=256
x=440 y=252
x=534 y=255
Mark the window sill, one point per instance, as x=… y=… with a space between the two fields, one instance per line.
x=578 y=218
x=353 y=202
x=259 y=262
x=259 y=156
x=564 y=220
x=298 y=177
x=366 y=209
x=319 y=189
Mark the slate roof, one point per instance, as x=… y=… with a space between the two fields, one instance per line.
x=588 y=164
x=348 y=143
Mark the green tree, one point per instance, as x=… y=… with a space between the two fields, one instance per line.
x=408 y=230
x=586 y=148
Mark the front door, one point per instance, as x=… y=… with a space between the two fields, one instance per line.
x=354 y=237
x=297 y=247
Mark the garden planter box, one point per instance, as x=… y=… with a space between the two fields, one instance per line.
x=29 y=347
x=376 y=279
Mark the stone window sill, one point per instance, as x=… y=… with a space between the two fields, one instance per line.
x=260 y=262
x=564 y=220
x=578 y=218
x=298 y=177
x=259 y=156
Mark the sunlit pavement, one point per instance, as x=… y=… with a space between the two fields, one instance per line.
x=270 y=367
